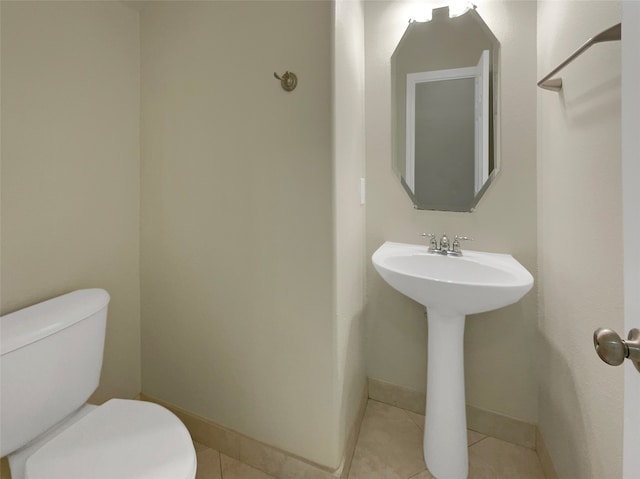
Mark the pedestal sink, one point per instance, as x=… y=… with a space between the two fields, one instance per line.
x=449 y=287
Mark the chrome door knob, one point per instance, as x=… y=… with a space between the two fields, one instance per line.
x=609 y=346
x=613 y=350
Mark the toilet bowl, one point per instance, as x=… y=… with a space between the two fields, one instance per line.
x=50 y=361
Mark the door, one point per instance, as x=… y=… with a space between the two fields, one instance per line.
x=447 y=135
x=441 y=110
x=631 y=221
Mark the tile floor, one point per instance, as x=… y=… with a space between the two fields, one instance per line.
x=215 y=465
x=390 y=447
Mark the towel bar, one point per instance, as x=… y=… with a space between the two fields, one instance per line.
x=610 y=34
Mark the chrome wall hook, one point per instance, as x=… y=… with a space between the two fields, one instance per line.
x=288 y=81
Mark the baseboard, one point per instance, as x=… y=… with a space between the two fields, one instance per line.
x=485 y=422
x=545 y=458
x=264 y=457
x=398 y=396
x=501 y=427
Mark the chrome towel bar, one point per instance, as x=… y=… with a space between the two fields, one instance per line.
x=609 y=35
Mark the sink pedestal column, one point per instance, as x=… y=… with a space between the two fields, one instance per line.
x=445 y=429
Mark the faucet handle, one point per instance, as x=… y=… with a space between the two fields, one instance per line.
x=455 y=247
x=433 y=243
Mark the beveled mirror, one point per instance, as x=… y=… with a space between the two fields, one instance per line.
x=445 y=123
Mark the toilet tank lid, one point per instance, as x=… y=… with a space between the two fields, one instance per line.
x=23 y=327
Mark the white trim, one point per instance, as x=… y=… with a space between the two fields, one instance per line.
x=631 y=224
x=437 y=75
x=482 y=120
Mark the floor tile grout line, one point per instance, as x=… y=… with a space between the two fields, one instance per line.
x=406 y=413
x=479 y=441
x=418 y=473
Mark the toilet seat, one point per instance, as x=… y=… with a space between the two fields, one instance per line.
x=122 y=439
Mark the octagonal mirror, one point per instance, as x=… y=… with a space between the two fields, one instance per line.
x=445 y=123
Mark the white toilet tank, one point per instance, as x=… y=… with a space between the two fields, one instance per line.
x=50 y=361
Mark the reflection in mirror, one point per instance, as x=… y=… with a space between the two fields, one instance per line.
x=445 y=110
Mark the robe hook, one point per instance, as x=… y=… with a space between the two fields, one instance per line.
x=288 y=81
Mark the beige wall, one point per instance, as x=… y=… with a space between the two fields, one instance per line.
x=238 y=297
x=70 y=166
x=499 y=346
x=580 y=221
x=349 y=230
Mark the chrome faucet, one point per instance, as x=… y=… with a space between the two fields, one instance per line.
x=445 y=247
x=444 y=243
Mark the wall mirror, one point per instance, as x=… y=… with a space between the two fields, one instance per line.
x=445 y=124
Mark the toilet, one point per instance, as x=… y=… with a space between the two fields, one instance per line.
x=50 y=361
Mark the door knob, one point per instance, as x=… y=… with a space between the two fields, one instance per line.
x=613 y=350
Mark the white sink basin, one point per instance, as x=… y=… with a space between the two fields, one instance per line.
x=472 y=283
x=449 y=287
